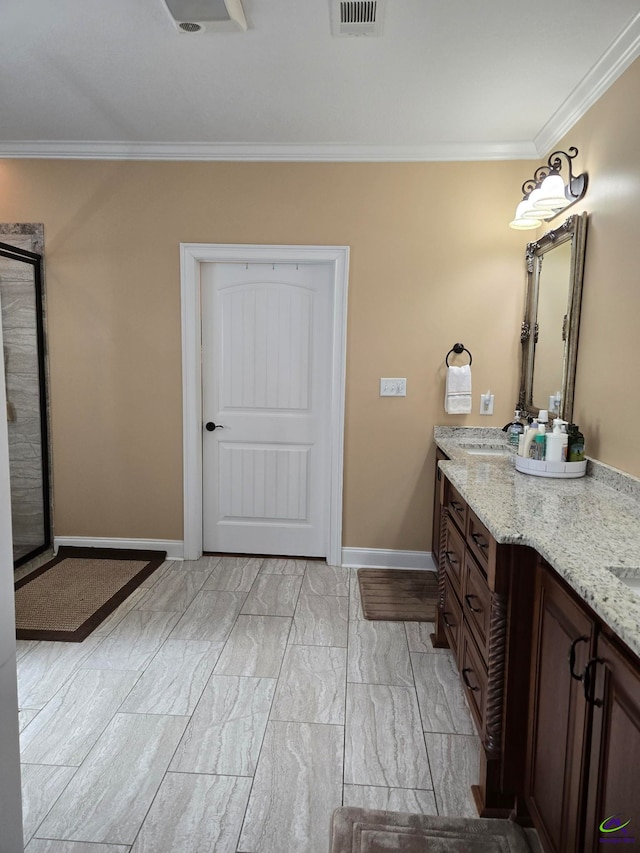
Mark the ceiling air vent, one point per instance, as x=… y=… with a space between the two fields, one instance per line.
x=195 y=16
x=356 y=17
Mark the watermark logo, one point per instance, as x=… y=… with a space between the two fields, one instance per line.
x=615 y=830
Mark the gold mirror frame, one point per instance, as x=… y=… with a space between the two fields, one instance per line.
x=574 y=230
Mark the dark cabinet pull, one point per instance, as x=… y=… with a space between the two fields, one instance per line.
x=457 y=506
x=572 y=657
x=470 y=606
x=481 y=544
x=446 y=621
x=587 y=684
x=449 y=555
x=466 y=679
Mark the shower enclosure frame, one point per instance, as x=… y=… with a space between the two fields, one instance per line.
x=35 y=260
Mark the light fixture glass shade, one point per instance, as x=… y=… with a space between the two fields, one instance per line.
x=536 y=208
x=551 y=194
x=521 y=222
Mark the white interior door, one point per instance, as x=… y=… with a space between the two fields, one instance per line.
x=266 y=373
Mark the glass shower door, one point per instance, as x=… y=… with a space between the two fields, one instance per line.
x=23 y=351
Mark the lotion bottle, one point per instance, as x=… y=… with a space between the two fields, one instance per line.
x=556 y=447
x=529 y=436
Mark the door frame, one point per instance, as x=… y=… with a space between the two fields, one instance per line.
x=191 y=256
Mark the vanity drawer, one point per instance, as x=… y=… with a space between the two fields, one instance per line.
x=451 y=617
x=453 y=557
x=476 y=603
x=480 y=541
x=457 y=506
x=474 y=677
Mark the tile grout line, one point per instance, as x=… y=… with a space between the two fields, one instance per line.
x=71 y=778
x=173 y=755
x=424 y=740
x=264 y=734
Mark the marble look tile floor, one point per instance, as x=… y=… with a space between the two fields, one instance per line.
x=232 y=711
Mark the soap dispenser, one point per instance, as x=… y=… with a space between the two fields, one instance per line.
x=556 y=447
x=515 y=430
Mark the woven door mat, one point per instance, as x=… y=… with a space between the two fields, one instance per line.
x=397 y=595
x=356 y=830
x=68 y=597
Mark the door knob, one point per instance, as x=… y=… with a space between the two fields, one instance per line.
x=210 y=426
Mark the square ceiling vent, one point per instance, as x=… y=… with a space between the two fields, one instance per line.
x=197 y=16
x=356 y=17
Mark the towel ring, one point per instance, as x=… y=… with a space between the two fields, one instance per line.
x=458 y=348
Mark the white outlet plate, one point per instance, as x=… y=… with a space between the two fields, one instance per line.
x=486 y=404
x=393 y=387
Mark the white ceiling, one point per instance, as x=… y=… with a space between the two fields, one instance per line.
x=455 y=79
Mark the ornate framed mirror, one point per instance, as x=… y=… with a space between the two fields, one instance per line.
x=549 y=332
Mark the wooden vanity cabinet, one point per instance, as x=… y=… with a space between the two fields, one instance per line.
x=481 y=585
x=554 y=693
x=583 y=757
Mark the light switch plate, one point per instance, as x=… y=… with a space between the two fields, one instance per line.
x=486 y=404
x=393 y=387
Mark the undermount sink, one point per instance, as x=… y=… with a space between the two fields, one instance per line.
x=629 y=576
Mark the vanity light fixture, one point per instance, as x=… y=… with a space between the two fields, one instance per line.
x=545 y=195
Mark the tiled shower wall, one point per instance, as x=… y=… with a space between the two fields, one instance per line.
x=17 y=296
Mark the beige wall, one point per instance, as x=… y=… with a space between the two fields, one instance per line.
x=607 y=401
x=432 y=263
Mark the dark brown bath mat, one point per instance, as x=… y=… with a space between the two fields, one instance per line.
x=397 y=595
x=68 y=597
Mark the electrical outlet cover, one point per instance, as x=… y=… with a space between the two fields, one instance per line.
x=486 y=404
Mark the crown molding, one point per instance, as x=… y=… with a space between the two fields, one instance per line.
x=616 y=59
x=256 y=152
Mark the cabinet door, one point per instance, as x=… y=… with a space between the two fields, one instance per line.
x=476 y=603
x=474 y=676
x=454 y=554
x=451 y=617
x=614 y=778
x=457 y=506
x=558 y=716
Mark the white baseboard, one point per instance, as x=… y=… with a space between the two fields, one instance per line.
x=173 y=547
x=380 y=558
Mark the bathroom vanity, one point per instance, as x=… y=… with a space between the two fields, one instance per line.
x=539 y=601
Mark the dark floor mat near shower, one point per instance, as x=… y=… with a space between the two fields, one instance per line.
x=397 y=595
x=366 y=831
x=68 y=597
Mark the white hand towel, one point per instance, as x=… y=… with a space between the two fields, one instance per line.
x=457 y=395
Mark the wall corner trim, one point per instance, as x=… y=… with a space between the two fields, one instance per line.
x=173 y=547
x=381 y=558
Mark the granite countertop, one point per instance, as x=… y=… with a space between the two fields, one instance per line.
x=588 y=529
